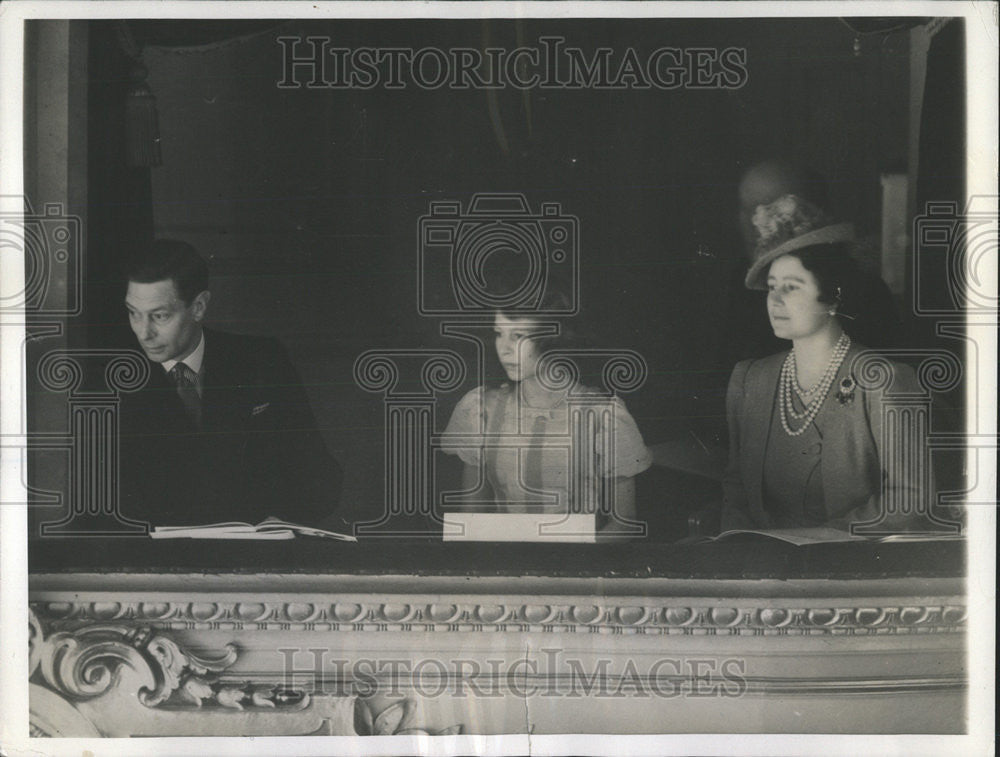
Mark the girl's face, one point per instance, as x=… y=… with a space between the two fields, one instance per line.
x=793 y=300
x=518 y=353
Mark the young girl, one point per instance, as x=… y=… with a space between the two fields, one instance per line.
x=532 y=446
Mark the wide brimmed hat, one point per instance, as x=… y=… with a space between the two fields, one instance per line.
x=788 y=224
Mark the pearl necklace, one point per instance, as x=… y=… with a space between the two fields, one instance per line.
x=789 y=381
x=798 y=387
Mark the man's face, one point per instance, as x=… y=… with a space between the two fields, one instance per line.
x=167 y=328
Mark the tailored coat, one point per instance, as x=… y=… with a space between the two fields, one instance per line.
x=860 y=482
x=257 y=452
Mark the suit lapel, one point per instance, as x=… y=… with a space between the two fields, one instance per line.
x=758 y=425
x=221 y=401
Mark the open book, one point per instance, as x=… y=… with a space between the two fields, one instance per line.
x=823 y=535
x=268 y=529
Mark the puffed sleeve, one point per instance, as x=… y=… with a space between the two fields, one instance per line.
x=464 y=434
x=735 y=508
x=631 y=456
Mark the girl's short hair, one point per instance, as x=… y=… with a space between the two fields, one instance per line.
x=506 y=275
x=552 y=301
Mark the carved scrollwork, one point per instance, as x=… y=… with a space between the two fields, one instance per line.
x=35 y=639
x=88 y=662
x=83 y=670
x=177 y=664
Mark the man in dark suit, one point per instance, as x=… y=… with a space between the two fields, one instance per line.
x=223 y=429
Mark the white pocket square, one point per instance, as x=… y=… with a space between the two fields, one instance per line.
x=260 y=409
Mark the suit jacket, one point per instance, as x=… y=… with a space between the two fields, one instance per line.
x=853 y=461
x=258 y=451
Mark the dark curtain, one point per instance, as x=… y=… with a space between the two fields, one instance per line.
x=942 y=152
x=120 y=196
x=941 y=179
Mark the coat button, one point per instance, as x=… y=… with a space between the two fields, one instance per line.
x=813 y=449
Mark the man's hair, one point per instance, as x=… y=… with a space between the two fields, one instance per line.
x=174 y=260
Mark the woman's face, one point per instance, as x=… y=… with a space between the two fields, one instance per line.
x=793 y=300
x=517 y=352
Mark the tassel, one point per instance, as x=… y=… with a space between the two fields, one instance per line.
x=142 y=129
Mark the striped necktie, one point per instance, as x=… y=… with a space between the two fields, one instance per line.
x=183 y=377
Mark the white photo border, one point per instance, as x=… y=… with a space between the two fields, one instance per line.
x=982 y=170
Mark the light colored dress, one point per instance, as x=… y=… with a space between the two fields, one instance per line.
x=542 y=460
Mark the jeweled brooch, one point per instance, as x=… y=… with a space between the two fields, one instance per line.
x=845 y=394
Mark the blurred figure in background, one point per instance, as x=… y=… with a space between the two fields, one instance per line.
x=878 y=324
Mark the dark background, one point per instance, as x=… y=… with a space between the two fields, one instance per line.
x=307 y=201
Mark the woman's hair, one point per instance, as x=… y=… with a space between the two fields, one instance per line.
x=837 y=275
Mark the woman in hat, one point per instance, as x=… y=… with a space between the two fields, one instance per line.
x=806 y=442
